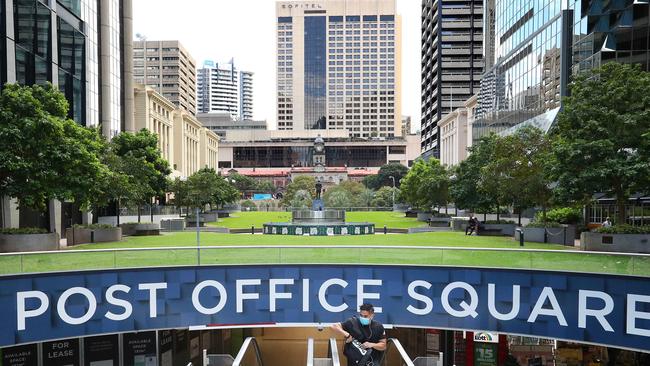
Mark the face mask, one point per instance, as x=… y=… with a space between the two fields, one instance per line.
x=364 y=321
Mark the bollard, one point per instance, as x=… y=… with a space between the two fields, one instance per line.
x=253 y=229
x=385 y=230
x=521 y=237
x=92 y=236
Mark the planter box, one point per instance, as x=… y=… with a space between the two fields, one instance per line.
x=172 y=224
x=424 y=216
x=626 y=243
x=506 y=229
x=411 y=214
x=29 y=242
x=146 y=229
x=77 y=236
x=459 y=223
x=209 y=216
x=439 y=221
x=555 y=235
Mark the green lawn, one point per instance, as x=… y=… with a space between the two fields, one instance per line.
x=240 y=220
x=571 y=260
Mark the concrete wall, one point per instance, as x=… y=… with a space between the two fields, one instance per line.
x=626 y=243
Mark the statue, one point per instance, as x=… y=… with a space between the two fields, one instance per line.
x=319 y=188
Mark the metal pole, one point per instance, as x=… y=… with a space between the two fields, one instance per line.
x=198 y=237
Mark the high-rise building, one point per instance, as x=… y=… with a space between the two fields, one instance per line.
x=452 y=62
x=84 y=48
x=169 y=68
x=77 y=45
x=222 y=88
x=538 y=45
x=338 y=67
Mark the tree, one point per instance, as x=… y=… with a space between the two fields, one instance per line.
x=384 y=197
x=206 y=188
x=338 y=198
x=366 y=197
x=426 y=185
x=181 y=191
x=602 y=144
x=265 y=186
x=301 y=199
x=242 y=182
x=396 y=170
x=43 y=154
x=300 y=183
x=466 y=191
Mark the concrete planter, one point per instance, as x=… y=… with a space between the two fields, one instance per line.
x=506 y=229
x=459 y=223
x=626 y=243
x=28 y=242
x=172 y=224
x=78 y=235
x=424 y=216
x=210 y=216
x=142 y=229
x=556 y=235
x=439 y=221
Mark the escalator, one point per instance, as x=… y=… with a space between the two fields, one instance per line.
x=332 y=358
x=395 y=355
x=249 y=355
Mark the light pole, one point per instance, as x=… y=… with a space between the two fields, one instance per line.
x=393 y=179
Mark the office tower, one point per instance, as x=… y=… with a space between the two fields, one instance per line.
x=338 y=66
x=77 y=45
x=222 y=88
x=452 y=62
x=169 y=68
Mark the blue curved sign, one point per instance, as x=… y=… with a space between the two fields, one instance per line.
x=601 y=309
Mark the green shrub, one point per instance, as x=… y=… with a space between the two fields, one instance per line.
x=563 y=215
x=93 y=226
x=23 y=231
x=624 y=229
x=539 y=224
x=248 y=205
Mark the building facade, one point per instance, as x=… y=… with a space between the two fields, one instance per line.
x=539 y=45
x=338 y=67
x=156 y=114
x=221 y=122
x=222 y=88
x=169 y=68
x=452 y=62
x=453 y=137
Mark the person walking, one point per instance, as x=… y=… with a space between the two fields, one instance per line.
x=607 y=222
x=365 y=338
x=471 y=225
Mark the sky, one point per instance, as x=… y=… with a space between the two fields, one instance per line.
x=245 y=30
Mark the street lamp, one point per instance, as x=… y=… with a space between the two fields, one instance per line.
x=393 y=179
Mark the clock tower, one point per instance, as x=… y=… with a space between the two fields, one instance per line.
x=319 y=154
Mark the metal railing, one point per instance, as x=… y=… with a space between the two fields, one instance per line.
x=244 y=356
x=536 y=259
x=394 y=344
x=332 y=358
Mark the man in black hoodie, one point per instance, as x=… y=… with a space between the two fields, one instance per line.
x=365 y=338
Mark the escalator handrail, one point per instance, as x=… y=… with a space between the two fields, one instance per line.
x=394 y=342
x=333 y=352
x=242 y=352
x=310 y=352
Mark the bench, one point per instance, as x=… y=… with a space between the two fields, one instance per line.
x=488 y=232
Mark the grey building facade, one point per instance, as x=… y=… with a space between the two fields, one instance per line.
x=223 y=88
x=220 y=122
x=452 y=62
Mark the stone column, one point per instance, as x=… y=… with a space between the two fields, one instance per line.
x=127 y=62
x=9 y=212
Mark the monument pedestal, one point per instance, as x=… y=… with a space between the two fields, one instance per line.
x=318 y=205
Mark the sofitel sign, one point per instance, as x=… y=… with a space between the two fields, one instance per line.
x=305 y=6
x=601 y=309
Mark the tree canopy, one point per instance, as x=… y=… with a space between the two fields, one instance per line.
x=426 y=185
x=382 y=178
x=300 y=183
x=602 y=142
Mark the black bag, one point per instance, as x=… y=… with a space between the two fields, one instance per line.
x=354 y=350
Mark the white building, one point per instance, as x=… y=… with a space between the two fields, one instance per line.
x=456 y=133
x=338 y=67
x=222 y=88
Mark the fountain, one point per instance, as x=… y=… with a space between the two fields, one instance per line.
x=318 y=221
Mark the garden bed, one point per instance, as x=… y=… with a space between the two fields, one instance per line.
x=28 y=242
x=83 y=235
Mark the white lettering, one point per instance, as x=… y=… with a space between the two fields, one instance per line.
x=22 y=313
x=414 y=295
x=223 y=296
x=305 y=294
x=92 y=305
x=515 y=303
x=323 y=290
x=584 y=312
x=547 y=293
x=111 y=299
x=153 y=298
x=633 y=314
x=362 y=295
x=241 y=296
x=273 y=295
x=468 y=309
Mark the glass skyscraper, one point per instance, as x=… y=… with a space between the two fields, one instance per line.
x=338 y=67
x=59 y=42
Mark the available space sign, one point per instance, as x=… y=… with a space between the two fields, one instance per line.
x=602 y=309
